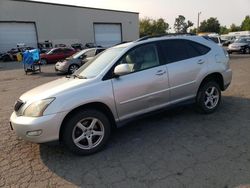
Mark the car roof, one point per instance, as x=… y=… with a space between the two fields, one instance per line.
x=195 y=38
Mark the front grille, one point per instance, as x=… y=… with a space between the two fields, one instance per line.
x=18 y=105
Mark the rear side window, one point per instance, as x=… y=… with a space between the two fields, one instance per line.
x=202 y=50
x=67 y=50
x=179 y=49
x=174 y=50
x=99 y=51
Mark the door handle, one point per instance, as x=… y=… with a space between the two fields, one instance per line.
x=160 y=72
x=201 y=61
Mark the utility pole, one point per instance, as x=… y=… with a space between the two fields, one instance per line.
x=198 y=22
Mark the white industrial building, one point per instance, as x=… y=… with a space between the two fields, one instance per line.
x=30 y=22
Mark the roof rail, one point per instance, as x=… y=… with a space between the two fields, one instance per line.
x=163 y=35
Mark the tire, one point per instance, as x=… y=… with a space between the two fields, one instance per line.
x=86 y=132
x=73 y=68
x=208 y=97
x=247 y=51
x=43 y=61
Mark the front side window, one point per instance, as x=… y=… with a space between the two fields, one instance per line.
x=141 y=58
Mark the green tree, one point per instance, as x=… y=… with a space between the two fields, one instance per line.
x=180 y=25
x=153 y=27
x=194 y=30
x=224 y=30
x=245 y=26
x=210 y=25
x=234 y=28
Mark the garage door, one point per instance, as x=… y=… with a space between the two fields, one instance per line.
x=107 y=34
x=13 y=33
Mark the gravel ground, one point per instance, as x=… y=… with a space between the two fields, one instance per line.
x=175 y=148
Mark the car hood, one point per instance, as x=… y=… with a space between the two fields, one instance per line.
x=54 y=88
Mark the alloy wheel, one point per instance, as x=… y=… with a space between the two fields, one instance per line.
x=211 y=97
x=88 y=133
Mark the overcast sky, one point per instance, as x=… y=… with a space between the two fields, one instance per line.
x=226 y=11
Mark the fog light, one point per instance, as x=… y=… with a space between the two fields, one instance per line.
x=34 y=133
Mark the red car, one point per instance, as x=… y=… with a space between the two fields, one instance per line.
x=56 y=54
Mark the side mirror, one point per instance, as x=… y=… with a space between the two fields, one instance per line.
x=122 y=69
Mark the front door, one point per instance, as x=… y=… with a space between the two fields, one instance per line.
x=145 y=88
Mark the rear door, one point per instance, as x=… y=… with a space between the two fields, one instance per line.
x=185 y=61
x=145 y=88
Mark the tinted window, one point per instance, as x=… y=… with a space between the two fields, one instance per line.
x=199 y=47
x=174 y=50
x=99 y=50
x=142 y=57
x=178 y=50
x=215 y=39
x=67 y=50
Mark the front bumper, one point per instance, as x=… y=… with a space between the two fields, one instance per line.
x=61 y=68
x=48 y=126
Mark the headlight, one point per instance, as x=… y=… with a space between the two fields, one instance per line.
x=37 y=108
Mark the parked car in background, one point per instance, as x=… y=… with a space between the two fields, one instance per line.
x=56 y=54
x=45 y=46
x=77 y=46
x=72 y=63
x=241 y=45
x=215 y=38
x=60 y=45
x=11 y=55
x=91 y=45
x=121 y=83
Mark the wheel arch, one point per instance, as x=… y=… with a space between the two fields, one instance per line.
x=95 y=106
x=217 y=77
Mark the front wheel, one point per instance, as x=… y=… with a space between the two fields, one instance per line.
x=86 y=132
x=72 y=68
x=208 y=97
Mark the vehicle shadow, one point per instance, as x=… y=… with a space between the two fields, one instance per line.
x=166 y=143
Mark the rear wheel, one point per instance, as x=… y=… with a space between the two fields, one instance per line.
x=208 y=97
x=72 y=68
x=86 y=132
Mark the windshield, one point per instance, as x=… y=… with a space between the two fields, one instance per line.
x=95 y=67
x=49 y=51
x=78 y=54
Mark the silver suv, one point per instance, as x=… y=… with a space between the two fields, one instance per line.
x=121 y=83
